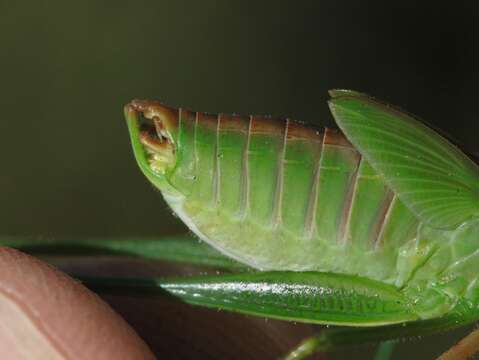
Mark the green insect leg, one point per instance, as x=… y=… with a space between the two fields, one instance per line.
x=385 y=350
x=333 y=338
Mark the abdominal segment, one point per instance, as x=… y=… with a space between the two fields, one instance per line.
x=277 y=194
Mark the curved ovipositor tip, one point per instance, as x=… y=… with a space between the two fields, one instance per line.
x=153 y=130
x=164 y=118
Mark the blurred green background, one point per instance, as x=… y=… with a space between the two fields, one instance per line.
x=67 y=68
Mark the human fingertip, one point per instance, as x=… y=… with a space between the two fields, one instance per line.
x=45 y=314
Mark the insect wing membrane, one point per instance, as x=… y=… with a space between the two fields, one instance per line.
x=433 y=177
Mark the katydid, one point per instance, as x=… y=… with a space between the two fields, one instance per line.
x=372 y=226
x=368 y=226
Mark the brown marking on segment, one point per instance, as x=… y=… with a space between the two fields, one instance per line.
x=310 y=223
x=207 y=121
x=259 y=124
x=347 y=207
x=264 y=125
x=187 y=116
x=382 y=219
x=234 y=123
x=300 y=131
x=336 y=138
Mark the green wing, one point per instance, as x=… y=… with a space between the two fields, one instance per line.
x=429 y=174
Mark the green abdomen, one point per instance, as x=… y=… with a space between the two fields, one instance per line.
x=278 y=195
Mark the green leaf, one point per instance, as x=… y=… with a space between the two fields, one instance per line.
x=183 y=249
x=311 y=297
x=428 y=173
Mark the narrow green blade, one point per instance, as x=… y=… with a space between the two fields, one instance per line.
x=429 y=174
x=183 y=249
x=300 y=296
x=385 y=350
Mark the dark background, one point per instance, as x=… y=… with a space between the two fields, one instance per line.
x=67 y=69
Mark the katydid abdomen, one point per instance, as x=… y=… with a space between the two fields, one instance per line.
x=280 y=195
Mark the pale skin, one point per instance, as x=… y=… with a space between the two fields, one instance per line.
x=48 y=315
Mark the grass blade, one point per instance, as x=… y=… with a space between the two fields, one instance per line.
x=180 y=249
